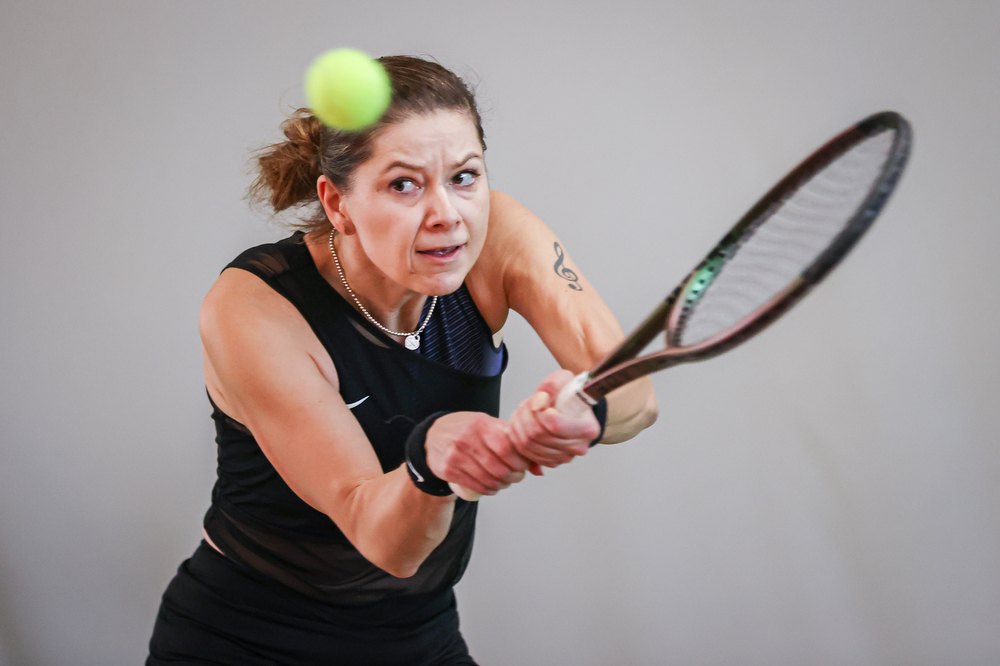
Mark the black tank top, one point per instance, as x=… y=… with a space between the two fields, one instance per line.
x=258 y=521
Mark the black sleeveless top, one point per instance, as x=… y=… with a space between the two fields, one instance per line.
x=259 y=522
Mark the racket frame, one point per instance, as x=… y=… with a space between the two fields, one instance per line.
x=623 y=364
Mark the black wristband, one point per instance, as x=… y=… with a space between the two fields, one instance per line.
x=601 y=412
x=416 y=460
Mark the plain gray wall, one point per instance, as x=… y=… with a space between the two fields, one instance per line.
x=827 y=494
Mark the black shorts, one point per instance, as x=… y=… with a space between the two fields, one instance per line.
x=217 y=612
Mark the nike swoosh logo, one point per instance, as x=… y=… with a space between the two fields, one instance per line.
x=352 y=405
x=413 y=469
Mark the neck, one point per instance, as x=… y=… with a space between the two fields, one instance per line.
x=388 y=302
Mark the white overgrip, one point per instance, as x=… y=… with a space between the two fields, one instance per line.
x=464 y=493
x=570 y=400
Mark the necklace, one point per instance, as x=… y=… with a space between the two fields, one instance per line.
x=412 y=341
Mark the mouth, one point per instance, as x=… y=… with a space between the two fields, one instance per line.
x=441 y=252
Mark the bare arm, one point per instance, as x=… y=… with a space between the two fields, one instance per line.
x=265 y=368
x=568 y=314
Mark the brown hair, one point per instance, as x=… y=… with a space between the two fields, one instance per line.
x=287 y=171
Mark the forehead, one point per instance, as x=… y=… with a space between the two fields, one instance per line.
x=426 y=137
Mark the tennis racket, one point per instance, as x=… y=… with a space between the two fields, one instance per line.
x=783 y=247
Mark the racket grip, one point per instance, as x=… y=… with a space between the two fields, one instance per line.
x=569 y=401
x=464 y=493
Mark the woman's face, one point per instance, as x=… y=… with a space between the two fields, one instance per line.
x=419 y=206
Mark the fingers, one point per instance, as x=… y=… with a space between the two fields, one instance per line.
x=486 y=455
x=554 y=383
x=546 y=436
x=534 y=442
x=484 y=475
x=565 y=429
x=474 y=450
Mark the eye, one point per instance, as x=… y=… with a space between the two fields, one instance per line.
x=466 y=178
x=403 y=185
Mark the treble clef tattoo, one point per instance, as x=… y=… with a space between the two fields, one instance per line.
x=564 y=271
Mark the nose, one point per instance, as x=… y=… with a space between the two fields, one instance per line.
x=441 y=211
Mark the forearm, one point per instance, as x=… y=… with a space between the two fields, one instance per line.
x=395 y=525
x=631 y=409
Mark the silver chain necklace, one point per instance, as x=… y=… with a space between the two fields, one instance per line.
x=412 y=341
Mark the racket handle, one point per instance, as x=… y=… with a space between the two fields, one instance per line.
x=465 y=493
x=569 y=401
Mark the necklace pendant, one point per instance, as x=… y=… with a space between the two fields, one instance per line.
x=412 y=341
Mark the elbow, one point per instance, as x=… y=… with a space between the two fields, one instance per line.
x=400 y=555
x=399 y=566
x=390 y=529
x=649 y=413
x=398 y=558
x=405 y=571
x=635 y=409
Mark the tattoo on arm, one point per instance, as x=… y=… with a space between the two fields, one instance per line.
x=564 y=271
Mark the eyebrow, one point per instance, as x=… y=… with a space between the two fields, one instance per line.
x=413 y=167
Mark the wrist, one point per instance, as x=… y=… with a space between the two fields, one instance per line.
x=601 y=414
x=416 y=460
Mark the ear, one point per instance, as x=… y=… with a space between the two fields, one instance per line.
x=333 y=203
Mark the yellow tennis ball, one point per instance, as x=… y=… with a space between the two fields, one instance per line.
x=347 y=90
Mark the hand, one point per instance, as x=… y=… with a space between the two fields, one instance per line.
x=544 y=435
x=475 y=451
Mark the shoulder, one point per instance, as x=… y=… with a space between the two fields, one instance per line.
x=271 y=260
x=238 y=297
x=512 y=230
x=510 y=221
x=245 y=293
x=515 y=234
x=243 y=321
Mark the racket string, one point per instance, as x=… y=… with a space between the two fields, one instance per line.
x=788 y=238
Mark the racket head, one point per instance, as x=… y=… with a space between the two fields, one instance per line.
x=782 y=247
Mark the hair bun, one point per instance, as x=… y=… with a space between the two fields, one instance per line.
x=287 y=171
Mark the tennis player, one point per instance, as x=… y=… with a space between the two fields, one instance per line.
x=354 y=372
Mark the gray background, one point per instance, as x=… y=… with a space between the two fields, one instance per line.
x=827 y=494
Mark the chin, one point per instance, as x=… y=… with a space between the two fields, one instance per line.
x=440 y=285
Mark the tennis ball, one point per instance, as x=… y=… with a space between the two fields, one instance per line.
x=347 y=90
